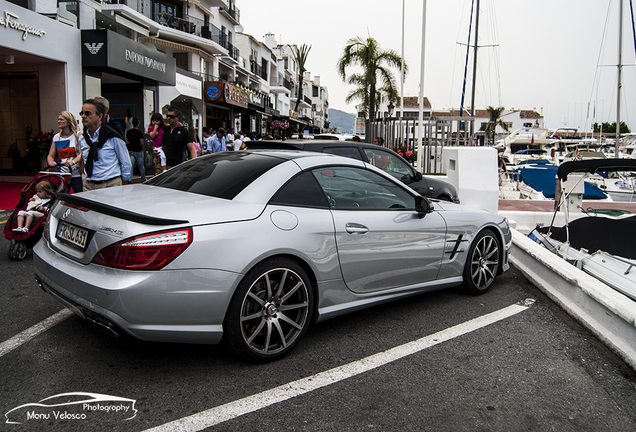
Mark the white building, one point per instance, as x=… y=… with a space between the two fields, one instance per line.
x=144 y=56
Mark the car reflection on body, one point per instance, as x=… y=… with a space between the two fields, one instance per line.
x=256 y=246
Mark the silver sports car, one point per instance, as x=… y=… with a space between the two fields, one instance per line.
x=256 y=246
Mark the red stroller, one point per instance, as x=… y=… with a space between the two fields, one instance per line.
x=21 y=241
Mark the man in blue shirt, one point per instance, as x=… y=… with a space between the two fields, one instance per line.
x=218 y=141
x=106 y=158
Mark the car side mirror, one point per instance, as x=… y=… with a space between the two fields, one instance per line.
x=422 y=206
x=418 y=176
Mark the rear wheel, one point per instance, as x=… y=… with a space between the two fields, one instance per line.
x=483 y=262
x=270 y=310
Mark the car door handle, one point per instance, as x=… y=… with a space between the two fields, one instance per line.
x=354 y=228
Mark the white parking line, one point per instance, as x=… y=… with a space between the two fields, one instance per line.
x=231 y=410
x=25 y=336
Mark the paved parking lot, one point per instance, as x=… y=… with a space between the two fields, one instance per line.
x=509 y=360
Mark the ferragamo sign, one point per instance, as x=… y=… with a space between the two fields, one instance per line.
x=9 y=20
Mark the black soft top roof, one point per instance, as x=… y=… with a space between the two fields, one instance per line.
x=594 y=165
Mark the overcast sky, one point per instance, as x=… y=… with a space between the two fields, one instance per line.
x=555 y=56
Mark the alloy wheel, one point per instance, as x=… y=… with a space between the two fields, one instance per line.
x=274 y=311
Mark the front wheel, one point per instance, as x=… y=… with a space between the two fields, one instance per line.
x=483 y=262
x=11 y=252
x=270 y=310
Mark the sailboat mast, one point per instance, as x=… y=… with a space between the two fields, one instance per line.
x=470 y=30
x=620 y=65
x=472 y=107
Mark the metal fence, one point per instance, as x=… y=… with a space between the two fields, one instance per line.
x=437 y=133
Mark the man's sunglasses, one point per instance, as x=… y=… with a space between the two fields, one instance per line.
x=86 y=113
x=171 y=116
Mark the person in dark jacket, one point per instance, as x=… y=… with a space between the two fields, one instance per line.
x=176 y=139
x=135 y=144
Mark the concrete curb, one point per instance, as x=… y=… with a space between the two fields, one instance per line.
x=608 y=314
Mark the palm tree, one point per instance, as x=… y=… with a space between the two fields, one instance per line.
x=368 y=54
x=495 y=120
x=300 y=56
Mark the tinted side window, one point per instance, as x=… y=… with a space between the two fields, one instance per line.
x=351 y=188
x=303 y=190
x=389 y=163
x=350 y=152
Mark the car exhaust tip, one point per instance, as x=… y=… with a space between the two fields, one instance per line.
x=107 y=327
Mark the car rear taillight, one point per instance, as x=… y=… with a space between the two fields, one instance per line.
x=146 y=252
x=47 y=224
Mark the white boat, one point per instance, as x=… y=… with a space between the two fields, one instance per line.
x=530 y=140
x=512 y=188
x=601 y=243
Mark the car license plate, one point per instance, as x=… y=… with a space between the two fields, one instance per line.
x=72 y=234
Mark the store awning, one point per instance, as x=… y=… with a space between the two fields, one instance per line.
x=200 y=6
x=178 y=46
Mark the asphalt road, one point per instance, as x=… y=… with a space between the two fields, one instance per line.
x=536 y=370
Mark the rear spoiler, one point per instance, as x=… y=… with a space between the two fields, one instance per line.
x=117 y=212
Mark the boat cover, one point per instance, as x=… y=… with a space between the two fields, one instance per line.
x=534 y=162
x=542 y=178
x=614 y=236
x=593 y=165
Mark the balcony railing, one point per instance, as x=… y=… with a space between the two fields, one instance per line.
x=187 y=25
x=233 y=51
x=256 y=69
x=206 y=76
x=232 y=11
x=221 y=38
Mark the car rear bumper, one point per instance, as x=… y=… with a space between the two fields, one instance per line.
x=185 y=306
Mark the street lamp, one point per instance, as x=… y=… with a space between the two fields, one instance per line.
x=391 y=107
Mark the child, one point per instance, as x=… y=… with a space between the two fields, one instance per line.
x=36 y=207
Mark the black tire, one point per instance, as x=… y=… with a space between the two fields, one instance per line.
x=20 y=250
x=270 y=310
x=482 y=263
x=11 y=250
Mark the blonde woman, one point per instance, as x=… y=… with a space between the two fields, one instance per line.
x=65 y=152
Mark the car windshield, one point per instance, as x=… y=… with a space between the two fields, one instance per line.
x=221 y=176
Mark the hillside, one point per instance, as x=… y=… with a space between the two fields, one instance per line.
x=345 y=122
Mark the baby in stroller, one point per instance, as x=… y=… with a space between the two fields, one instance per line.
x=25 y=226
x=37 y=206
